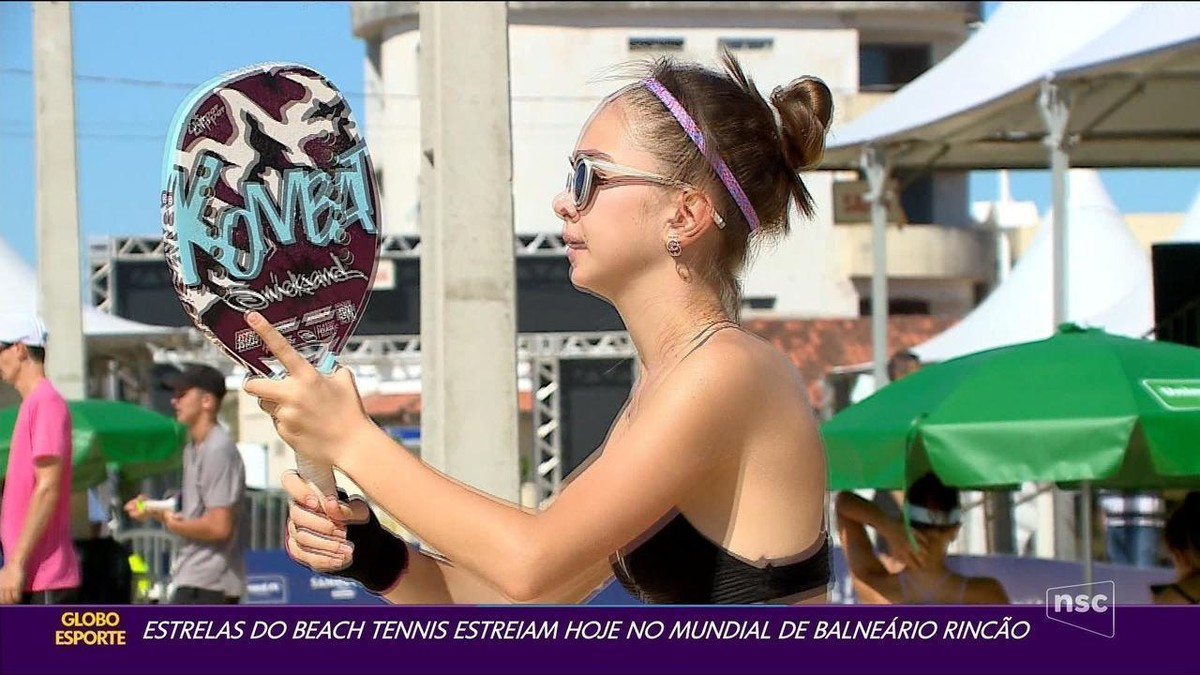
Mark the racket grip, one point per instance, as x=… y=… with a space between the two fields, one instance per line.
x=318 y=475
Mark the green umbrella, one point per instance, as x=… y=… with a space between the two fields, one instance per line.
x=111 y=434
x=1080 y=407
x=1083 y=405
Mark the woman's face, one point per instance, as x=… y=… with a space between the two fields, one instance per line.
x=1186 y=562
x=940 y=538
x=620 y=233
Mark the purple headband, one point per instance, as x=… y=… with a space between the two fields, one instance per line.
x=689 y=125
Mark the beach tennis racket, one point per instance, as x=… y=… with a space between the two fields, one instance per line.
x=269 y=204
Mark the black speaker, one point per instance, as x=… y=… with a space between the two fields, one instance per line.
x=160 y=397
x=593 y=391
x=1177 y=292
x=547 y=302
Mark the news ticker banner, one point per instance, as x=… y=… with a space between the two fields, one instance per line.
x=1082 y=633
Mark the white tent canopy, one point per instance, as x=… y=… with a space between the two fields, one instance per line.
x=1039 y=84
x=1126 y=68
x=936 y=118
x=1108 y=266
x=19 y=281
x=1134 y=313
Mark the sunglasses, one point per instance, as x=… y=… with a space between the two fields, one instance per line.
x=588 y=174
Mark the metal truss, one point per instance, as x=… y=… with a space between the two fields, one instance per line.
x=547 y=429
x=398 y=357
x=383 y=350
x=103 y=253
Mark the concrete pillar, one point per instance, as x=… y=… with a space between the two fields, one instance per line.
x=468 y=297
x=59 y=261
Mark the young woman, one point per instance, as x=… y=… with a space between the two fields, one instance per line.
x=710 y=485
x=923 y=578
x=1182 y=533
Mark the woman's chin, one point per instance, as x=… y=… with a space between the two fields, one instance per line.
x=578 y=279
x=582 y=281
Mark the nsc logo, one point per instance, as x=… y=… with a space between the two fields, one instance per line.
x=1090 y=607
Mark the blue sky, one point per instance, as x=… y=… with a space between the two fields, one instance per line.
x=135 y=62
x=164 y=48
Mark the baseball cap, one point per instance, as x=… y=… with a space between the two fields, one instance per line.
x=196 y=376
x=24 y=328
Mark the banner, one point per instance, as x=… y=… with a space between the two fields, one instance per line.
x=1077 y=632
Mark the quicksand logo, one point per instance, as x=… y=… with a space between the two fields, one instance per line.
x=1089 y=607
x=1176 y=395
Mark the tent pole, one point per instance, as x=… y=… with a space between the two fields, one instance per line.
x=875 y=167
x=1055 y=107
x=1086 y=518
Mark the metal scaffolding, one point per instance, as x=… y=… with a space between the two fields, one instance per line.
x=398 y=357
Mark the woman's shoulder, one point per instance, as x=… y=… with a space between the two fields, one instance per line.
x=739 y=358
x=985 y=590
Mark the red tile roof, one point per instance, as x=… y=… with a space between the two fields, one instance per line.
x=818 y=345
x=814 y=345
x=390 y=406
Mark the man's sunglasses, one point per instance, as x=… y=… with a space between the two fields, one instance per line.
x=589 y=173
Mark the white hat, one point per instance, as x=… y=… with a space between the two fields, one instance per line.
x=25 y=328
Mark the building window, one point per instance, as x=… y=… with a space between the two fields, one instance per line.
x=759 y=303
x=916 y=197
x=896 y=306
x=889 y=67
x=655 y=44
x=748 y=44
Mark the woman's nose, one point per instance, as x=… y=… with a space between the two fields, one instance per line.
x=564 y=206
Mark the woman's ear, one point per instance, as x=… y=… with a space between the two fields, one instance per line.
x=694 y=215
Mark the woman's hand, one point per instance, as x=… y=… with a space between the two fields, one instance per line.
x=900 y=547
x=317 y=415
x=316 y=532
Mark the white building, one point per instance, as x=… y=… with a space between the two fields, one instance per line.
x=561 y=53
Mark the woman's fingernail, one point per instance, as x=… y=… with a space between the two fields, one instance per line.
x=311 y=502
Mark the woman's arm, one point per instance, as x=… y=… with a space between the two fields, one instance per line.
x=315 y=540
x=673 y=446
x=853 y=515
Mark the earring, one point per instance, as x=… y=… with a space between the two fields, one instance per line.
x=673 y=246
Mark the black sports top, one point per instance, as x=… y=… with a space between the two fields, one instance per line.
x=1158 y=589
x=679 y=565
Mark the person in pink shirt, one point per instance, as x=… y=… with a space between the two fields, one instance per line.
x=40 y=563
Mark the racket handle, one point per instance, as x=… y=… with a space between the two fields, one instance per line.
x=318 y=475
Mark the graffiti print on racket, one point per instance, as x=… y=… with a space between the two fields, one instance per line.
x=269 y=204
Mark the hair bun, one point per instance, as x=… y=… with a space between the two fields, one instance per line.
x=805 y=107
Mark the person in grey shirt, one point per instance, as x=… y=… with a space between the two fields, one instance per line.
x=210 y=568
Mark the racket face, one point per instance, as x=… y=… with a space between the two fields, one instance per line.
x=269 y=204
